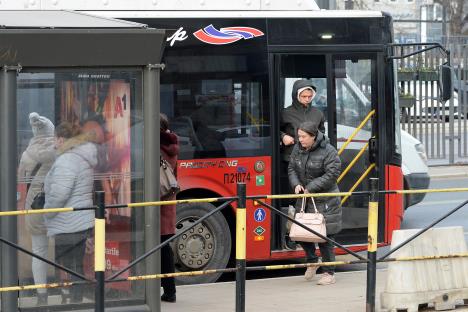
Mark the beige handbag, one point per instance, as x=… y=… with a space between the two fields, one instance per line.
x=315 y=221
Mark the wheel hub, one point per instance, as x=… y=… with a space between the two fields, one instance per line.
x=195 y=248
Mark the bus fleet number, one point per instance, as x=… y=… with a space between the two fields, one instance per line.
x=236 y=177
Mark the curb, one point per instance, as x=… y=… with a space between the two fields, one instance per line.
x=448 y=171
x=448 y=175
x=442 y=175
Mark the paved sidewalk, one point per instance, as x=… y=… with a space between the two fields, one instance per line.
x=279 y=294
x=441 y=172
x=286 y=294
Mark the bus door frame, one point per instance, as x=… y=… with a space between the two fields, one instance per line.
x=275 y=54
x=275 y=59
x=378 y=67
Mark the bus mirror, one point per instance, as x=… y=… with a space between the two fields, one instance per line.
x=445 y=82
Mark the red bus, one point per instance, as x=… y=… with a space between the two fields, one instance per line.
x=226 y=81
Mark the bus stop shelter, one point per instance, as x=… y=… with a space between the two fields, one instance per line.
x=74 y=43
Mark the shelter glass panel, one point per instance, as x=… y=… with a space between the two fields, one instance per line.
x=79 y=132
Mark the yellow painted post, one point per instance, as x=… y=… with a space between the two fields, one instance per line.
x=241 y=226
x=99 y=251
x=372 y=244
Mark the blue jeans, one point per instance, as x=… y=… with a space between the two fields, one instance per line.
x=326 y=250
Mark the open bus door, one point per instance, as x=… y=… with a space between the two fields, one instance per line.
x=346 y=94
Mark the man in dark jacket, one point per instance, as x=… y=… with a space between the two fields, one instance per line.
x=301 y=110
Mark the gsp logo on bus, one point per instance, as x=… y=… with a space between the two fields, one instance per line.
x=226 y=35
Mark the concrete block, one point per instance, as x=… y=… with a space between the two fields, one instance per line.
x=441 y=284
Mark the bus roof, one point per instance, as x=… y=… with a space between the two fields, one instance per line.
x=240 y=14
x=145 y=5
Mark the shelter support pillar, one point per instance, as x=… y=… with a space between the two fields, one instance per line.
x=151 y=110
x=9 y=255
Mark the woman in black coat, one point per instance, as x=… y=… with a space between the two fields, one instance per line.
x=314 y=167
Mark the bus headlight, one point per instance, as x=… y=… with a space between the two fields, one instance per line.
x=421 y=152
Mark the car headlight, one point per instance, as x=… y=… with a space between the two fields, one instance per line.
x=421 y=152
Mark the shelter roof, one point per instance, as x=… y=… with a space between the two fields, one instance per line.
x=59 y=19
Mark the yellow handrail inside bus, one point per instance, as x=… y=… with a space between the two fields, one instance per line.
x=351 y=164
x=364 y=175
x=361 y=125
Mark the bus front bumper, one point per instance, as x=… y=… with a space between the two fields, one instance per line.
x=416 y=181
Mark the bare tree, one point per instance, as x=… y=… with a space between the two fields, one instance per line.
x=457 y=12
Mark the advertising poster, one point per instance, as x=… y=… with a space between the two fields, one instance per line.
x=101 y=104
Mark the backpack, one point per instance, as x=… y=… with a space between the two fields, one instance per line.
x=168 y=185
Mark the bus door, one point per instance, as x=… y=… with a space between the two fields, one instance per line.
x=355 y=97
x=346 y=95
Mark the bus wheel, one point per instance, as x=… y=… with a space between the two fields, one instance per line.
x=204 y=247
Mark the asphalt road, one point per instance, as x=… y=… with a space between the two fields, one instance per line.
x=436 y=205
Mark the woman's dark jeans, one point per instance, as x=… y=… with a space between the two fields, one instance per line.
x=69 y=252
x=326 y=250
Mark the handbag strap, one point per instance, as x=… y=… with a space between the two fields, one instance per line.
x=315 y=207
x=303 y=204
x=304 y=200
x=32 y=175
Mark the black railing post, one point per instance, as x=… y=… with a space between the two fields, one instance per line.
x=240 y=247
x=99 y=251
x=372 y=244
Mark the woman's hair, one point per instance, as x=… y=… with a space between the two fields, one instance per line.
x=67 y=130
x=309 y=127
x=164 y=122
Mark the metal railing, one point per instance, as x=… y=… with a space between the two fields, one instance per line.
x=241 y=268
x=441 y=126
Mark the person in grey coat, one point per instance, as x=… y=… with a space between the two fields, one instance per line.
x=314 y=167
x=69 y=183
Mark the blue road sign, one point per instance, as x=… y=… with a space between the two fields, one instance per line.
x=259 y=215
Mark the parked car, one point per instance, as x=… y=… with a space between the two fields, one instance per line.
x=428 y=107
x=414 y=167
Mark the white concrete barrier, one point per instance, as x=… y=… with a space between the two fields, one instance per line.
x=441 y=283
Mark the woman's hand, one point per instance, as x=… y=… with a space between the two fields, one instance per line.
x=298 y=189
x=288 y=140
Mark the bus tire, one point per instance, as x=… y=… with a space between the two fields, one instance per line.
x=206 y=247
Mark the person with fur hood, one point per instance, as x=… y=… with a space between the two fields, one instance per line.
x=169 y=144
x=34 y=164
x=70 y=183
